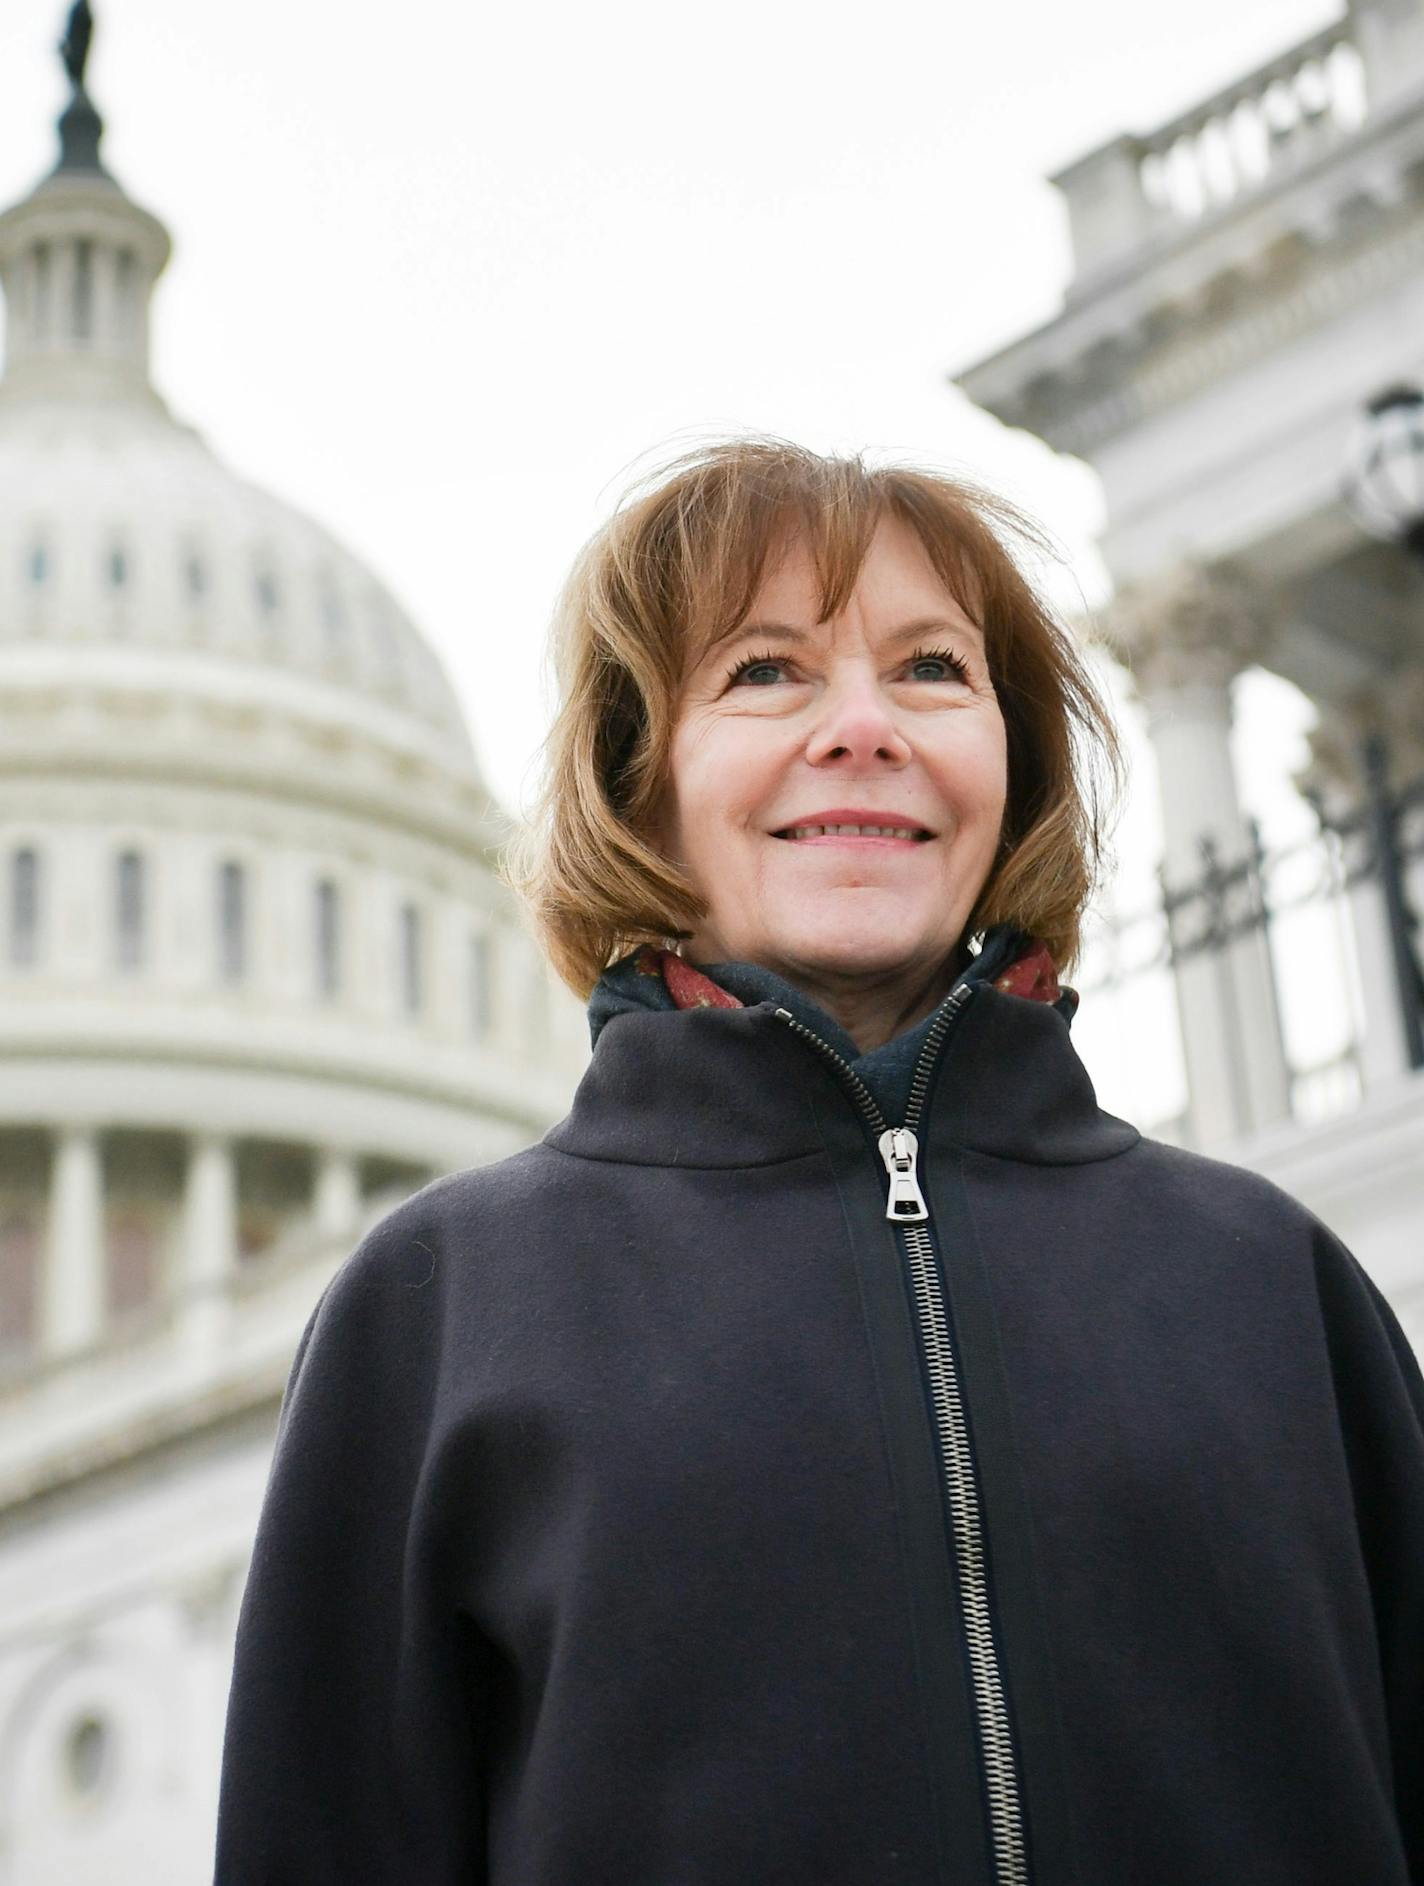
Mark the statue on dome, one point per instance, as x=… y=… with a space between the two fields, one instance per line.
x=74 y=47
x=80 y=126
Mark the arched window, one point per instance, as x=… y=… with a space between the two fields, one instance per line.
x=335 y=626
x=386 y=644
x=481 y=1004
x=90 y=1755
x=41 y=279
x=265 y=591
x=129 y=910
x=125 y=298
x=37 y=563
x=24 y=906
x=116 y=566
x=410 y=951
x=19 y=1280
x=328 y=938
x=133 y=1259
x=195 y=575
x=537 y=1014
x=232 y=920
x=83 y=290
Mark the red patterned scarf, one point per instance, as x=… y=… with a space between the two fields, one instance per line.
x=1034 y=976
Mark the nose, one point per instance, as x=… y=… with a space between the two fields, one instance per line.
x=856 y=723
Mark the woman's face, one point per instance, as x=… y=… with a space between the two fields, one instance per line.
x=883 y=717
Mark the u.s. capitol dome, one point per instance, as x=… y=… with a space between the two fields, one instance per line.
x=257 y=980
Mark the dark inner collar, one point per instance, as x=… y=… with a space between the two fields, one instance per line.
x=637 y=982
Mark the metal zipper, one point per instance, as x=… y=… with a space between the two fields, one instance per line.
x=905 y=1206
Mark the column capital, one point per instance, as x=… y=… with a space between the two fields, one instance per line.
x=1394 y=708
x=1192 y=623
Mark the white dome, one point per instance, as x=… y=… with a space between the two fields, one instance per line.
x=119 y=527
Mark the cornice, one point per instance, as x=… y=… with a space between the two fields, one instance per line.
x=1118 y=350
x=1162 y=375
x=525 y=1097
x=169 y=742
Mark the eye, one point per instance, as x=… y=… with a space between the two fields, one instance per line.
x=757 y=670
x=936 y=658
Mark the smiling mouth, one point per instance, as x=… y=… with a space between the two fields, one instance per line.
x=915 y=834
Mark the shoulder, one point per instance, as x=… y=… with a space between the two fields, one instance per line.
x=432 y=1242
x=1235 y=1206
x=1200 y=1177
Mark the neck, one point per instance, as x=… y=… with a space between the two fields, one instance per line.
x=873 y=1009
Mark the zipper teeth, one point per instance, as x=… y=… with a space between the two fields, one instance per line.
x=864 y=1099
x=996 y=1737
x=1001 y=1780
x=919 y=1086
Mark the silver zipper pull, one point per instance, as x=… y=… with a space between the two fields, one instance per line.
x=906 y=1203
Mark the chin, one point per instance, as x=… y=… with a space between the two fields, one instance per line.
x=884 y=952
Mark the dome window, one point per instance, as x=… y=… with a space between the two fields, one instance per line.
x=264 y=589
x=336 y=630
x=411 y=954
x=129 y=910
x=480 y=991
x=125 y=280
x=232 y=920
x=88 y=1755
x=40 y=278
x=24 y=906
x=328 y=938
x=134 y=1260
x=387 y=648
x=20 y=1265
x=83 y=303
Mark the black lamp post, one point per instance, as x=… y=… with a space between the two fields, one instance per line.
x=1384 y=492
x=1384 y=477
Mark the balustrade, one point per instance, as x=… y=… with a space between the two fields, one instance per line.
x=1283 y=115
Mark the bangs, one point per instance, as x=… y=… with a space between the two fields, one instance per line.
x=731 y=539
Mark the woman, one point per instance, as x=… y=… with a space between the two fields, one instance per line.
x=839 y=1452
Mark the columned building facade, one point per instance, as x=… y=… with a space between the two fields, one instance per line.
x=258 y=981
x=1246 y=278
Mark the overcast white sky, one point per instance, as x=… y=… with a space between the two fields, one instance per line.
x=445 y=275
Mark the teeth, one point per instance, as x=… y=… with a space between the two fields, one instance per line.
x=853 y=831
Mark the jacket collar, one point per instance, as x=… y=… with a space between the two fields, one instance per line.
x=736 y=1087
x=655 y=979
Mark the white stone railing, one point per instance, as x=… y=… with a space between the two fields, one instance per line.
x=1139 y=188
x=1277 y=117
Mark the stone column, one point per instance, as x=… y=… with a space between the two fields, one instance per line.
x=1185 y=636
x=1404 y=729
x=1335 y=777
x=209 y=1254
x=74 y=1290
x=336 y=1198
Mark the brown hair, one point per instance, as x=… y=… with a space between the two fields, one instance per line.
x=679 y=563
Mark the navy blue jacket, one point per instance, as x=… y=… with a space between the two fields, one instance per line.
x=650 y=1509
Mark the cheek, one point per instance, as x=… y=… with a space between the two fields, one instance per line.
x=973 y=774
x=692 y=802
x=719 y=771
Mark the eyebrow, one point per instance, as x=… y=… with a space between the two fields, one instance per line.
x=921 y=625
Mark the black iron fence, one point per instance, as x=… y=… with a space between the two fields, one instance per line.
x=1374 y=850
